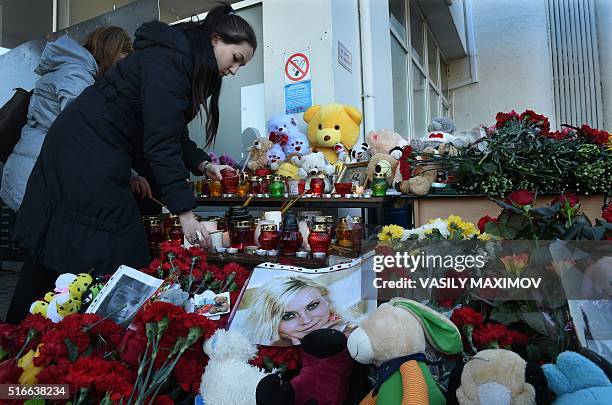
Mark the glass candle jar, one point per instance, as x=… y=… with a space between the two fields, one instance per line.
x=265 y=184
x=296 y=186
x=241 y=235
x=166 y=224
x=317 y=186
x=230 y=180
x=204 y=188
x=176 y=231
x=379 y=185
x=243 y=188
x=344 y=234
x=255 y=187
x=155 y=233
x=277 y=187
x=290 y=239
x=216 y=188
x=357 y=234
x=268 y=238
x=319 y=239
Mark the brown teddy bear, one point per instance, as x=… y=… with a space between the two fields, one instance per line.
x=497 y=376
x=258 y=153
x=383 y=163
x=415 y=179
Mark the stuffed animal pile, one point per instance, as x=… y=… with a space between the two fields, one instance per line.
x=72 y=294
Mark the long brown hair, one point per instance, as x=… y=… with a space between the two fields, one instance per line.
x=106 y=44
x=206 y=83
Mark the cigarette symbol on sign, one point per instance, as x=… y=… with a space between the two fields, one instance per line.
x=296 y=67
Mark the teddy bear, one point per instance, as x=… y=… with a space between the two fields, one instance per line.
x=382 y=163
x=276 y=157
x=383 y=140
x=229 y=353
x=258 y=153
x=294 y=148
x=411 y=178
x=360 y=153
x=283 y=124
x=323 y=379
x=331 y=124
x=497 y=377
x=394 y=337
x=315 y=165
x=442 y=124
x=574 y=379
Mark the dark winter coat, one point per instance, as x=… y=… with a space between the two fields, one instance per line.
x=78 y=212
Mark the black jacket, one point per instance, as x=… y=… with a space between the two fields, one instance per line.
x=78 y=211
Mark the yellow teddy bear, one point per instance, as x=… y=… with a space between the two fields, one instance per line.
x=331 y=124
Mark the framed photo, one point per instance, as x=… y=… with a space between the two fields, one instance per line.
x=121 y=298
x=282 y=304
x=356 y=173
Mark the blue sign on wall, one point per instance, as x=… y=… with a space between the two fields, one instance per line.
x=298 y=97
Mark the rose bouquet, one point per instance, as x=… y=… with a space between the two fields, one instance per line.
x=520 y=152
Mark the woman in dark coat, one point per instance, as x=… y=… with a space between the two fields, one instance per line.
x=78 y=212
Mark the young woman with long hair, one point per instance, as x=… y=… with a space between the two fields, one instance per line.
x=78 y=212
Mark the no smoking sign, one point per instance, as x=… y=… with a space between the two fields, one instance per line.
x=297 y=67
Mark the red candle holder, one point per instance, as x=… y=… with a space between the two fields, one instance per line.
x=317 y=186
x=268 y=238
x=319 y=239
x=230 y=181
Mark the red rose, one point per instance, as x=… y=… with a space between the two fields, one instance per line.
x=466 y=316
x=188 y=373
x=521 y=198
x=450 y=293
x=132 y=347
x=488 y=335
x=482 y=222
x=570 y=198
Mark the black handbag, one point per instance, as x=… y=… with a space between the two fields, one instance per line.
x=13 y=116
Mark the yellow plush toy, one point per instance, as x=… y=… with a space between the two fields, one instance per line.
x=66 y=299
x=331 y=124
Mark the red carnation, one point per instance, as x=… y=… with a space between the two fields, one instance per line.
x=163 y=400
x=539 y=120
x=520 y=198
x=405 y=166
x=450 y=293
x=466 y=316
x=503 y=118
x=488 y=336
x=511 y=337
x=482 y=222
x=595 y=135
x=9 y=371
x=132 y=347
x=188 y=372
x=570 y=198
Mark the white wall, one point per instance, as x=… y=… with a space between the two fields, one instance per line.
x=603 y=8
x=513 y=60
x=345 y=28
x=309 y=28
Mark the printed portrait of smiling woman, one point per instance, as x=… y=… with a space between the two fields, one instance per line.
x=289 y=307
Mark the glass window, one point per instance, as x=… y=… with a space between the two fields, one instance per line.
x=445 y=111
x=444 y=77
x=19 y=23
x=416 y=33
x=432 y=59
x=433 y=104
x=83 y=10
x=400 y=88
x=418 y=102
x=397 y=16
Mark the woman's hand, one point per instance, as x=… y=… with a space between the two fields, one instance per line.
x=140 y=186
x=195 y=232
x=213 y=171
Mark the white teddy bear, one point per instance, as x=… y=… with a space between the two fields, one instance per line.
x=315 y=165
x=229 y=353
